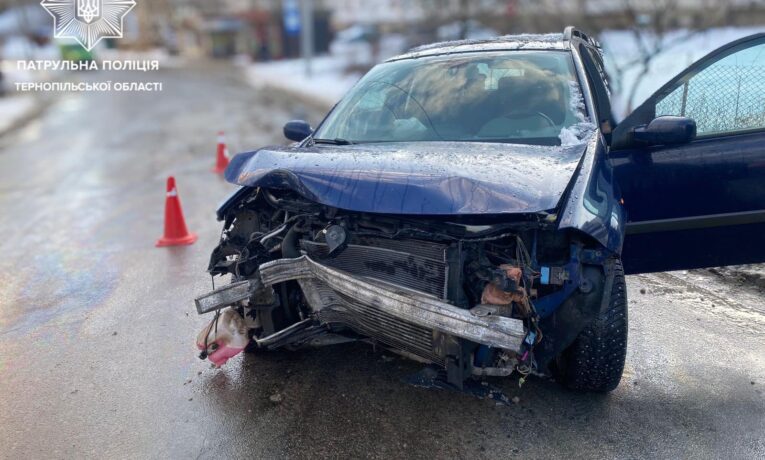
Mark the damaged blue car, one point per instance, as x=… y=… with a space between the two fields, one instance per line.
x=474 y=206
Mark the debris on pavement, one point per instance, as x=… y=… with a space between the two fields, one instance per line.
x=435 y=378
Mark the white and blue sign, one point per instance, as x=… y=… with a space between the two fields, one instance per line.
x=291 y=16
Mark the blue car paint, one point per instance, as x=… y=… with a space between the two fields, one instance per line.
x=679 y=199
x=446 y=179
x=416 y=178
x=707 y=176
x=593 y=205
x=700 y=204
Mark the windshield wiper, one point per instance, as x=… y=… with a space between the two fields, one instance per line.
x=335 y=141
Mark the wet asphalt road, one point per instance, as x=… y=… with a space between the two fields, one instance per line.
x=97 y=326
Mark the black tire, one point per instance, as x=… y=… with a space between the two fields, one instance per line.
x=595 y=361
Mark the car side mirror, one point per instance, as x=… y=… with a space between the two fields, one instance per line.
x=665 y=130
x=297 y=130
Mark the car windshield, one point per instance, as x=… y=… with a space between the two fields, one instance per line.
x=529 y=97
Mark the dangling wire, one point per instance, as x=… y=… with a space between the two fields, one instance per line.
x=204 y=354
x=527 y=363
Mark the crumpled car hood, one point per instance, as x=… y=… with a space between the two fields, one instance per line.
x=423 y=178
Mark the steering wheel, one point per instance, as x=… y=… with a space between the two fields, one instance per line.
x=541 y=115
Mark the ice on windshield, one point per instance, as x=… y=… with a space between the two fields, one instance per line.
x=511 y=96
x=578 y=132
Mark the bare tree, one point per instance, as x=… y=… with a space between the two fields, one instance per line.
x=654 y=26
x=464 y=17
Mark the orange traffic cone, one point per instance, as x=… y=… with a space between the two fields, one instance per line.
x=221 y=160
x=176 y=233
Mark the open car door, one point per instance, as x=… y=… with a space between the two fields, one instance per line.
x=694 y=193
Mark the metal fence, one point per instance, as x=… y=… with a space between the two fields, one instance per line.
x=720 y=98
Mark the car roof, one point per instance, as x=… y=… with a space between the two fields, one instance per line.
x=506 y=42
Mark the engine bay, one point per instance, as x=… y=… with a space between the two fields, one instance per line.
x=460 y=294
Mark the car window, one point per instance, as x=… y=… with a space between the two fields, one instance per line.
x=517 y=96
x=725 y=97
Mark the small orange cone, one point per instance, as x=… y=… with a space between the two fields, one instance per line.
x=176 y=233
x=221 y=160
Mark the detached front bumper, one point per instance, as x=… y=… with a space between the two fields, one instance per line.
x=378 y=300
x=405 y=304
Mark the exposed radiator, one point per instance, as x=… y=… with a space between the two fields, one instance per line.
x=413 y=264
x=371 y=322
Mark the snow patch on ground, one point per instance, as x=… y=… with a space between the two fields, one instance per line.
x=326 y=85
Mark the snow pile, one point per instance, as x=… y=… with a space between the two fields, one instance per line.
x=14 y=110
x=327 y=84
x=581 y=130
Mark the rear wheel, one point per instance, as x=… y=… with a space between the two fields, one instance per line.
x=595 y=361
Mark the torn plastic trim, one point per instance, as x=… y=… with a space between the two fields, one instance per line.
x=226 y=295
x=408 y=305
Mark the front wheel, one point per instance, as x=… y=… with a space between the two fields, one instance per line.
x=595 y=361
